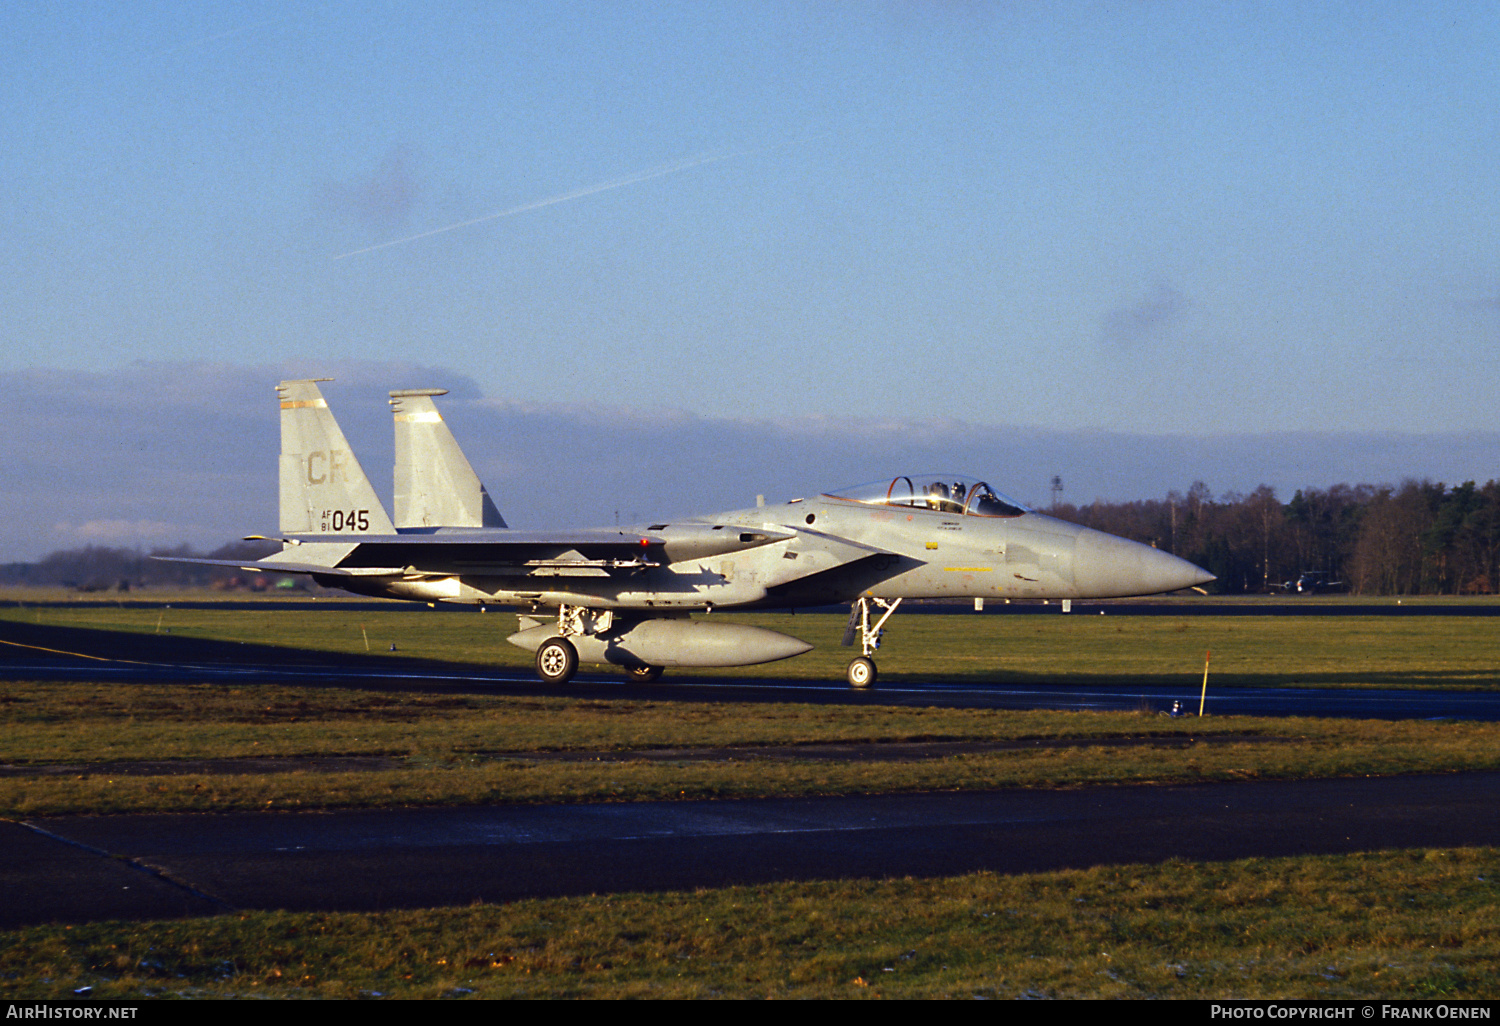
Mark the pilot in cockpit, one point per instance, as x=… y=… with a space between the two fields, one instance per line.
x=936 y=493
x=986 y=503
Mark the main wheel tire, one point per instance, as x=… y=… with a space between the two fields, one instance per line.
x=556 y=661
x=642 y=674
x=861 y=672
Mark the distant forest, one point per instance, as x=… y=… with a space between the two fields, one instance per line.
x=100 y=568
x=1418 y=539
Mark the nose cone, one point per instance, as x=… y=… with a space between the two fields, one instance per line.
x=1105 y=566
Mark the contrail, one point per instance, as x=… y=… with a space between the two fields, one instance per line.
x=639 y=176
x=220 y=35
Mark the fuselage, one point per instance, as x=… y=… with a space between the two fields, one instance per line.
x=935 y=553
x=829 y=550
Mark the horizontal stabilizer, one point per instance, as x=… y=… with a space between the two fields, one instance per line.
x=256 y=566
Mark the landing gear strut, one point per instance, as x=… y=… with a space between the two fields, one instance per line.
x=862 y=672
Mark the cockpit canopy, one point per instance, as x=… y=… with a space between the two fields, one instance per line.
x=946 y=493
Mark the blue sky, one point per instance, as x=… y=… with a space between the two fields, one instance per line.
x=1157 y=219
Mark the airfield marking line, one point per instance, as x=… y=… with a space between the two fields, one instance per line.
x=198 y=667
x=1228 y=699
x=1159 y=691
x=934 y=689
x=82 y=655
x=133 y=863
x=746 y=831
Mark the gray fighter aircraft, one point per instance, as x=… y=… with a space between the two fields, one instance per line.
x=622 y=596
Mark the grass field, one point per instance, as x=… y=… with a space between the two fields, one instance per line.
x=466 y=749
x=1393 y=925
x=1403 y=924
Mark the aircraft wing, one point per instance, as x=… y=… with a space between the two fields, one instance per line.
x=504 y=553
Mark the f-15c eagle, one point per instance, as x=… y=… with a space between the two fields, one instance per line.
x=623 y=596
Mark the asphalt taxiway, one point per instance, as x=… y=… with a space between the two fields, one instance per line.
x=84 y=868
x=44 y=652
x=1362 y=703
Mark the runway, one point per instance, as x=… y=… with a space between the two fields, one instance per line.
x=84 y=868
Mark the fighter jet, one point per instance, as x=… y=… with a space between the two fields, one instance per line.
x=623 y=596
x=1312 y=582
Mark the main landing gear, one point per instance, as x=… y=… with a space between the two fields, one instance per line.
x=556 y=661
x=557 y=657
x=862 y=672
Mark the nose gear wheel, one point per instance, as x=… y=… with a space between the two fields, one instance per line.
x=862 y=672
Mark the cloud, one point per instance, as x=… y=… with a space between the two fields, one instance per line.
x=119 y=532
x=189 y=445
x=384 y=199
x=160 y=454
x=1147 y=320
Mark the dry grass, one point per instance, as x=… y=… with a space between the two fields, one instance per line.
x=1393 y=925
x=445 y=748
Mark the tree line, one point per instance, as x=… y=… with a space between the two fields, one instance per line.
x=102 y=568
x=1417 y=539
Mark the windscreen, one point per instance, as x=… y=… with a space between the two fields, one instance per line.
x=945 y=493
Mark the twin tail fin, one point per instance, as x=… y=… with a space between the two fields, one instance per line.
x=323 y=488
x=324 y=491
x=435 y=485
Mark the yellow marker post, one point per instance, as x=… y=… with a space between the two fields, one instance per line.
x=1204 y=697
x=367 y=636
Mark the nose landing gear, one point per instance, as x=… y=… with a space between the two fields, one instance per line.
x=862 y=672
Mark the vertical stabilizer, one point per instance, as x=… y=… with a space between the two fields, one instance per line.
x=435 y=485
x=323 y=489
